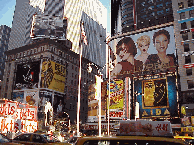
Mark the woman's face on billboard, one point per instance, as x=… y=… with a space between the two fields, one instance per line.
x=123 y=54
x=161 y=43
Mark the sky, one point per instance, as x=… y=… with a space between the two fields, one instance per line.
x=7 y=8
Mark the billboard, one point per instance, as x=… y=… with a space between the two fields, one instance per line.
x=116 y=104
x=18 y=96
x=151 y=51
x=156 y=95
x=27 y=75
x=48 y=27
x=53 y=76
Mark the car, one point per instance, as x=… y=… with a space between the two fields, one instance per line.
x=127 y=140
x=187 y=139
x=4 y=140
x=72 y=140
x=35 y=138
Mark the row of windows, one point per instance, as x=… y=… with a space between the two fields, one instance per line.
x=127 y=3
x=191 y=14
x=127 y=9
x=127 y=15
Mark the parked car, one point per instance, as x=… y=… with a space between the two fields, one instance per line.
x=35 y=138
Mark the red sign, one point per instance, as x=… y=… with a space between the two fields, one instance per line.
x=188 y=65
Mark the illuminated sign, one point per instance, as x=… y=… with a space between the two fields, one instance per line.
x=188 y=65
x=17 y=116
x=27 y=75
x=53 y=76
x=116 y=99
x=156 y=95
x=142 y=53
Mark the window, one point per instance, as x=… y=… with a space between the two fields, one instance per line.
x=160 y=12
x=181 y=5
x=192 y=24
x=190 y=3
x=189 y=71
x=182 y=15
x=190 y=84
x=159 y=5
x=186 y=48
x=187 y=59
x=191 y=13
x=185 y=36
x=183 y=25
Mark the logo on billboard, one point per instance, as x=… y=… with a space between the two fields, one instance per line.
x=53 y=76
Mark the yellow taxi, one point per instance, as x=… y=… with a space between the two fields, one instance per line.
x=188 y=139
x=128 y=140
x=136 y=133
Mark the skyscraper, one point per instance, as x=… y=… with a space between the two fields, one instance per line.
x=4 y=40
x=92 y=13
x=140 y=14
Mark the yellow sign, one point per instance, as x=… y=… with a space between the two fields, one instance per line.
x=53 y=76
x=116 y=94
x=187 y=129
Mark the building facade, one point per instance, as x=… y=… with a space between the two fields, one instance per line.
x=48 y=71
x=184 y=24
x=92 y=13
x=138 y=14
x=4 y=40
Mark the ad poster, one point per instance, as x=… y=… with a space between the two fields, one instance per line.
x=53 y=76
x=58 y=105
x=27 y=75
x=116 y=105
x=156 y=95
x=31 y=98
x=48 y=27
x=144 y=53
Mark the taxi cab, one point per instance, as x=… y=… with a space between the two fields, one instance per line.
x=188 y=139
x=136 y=133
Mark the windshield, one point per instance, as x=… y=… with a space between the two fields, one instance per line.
x=51 y=138
x=3 y=138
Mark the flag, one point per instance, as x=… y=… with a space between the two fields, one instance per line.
x=83 y=35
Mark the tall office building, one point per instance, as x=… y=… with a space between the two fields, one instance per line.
x=140 y=14
x=184 y=32
x=92 y=13
x=4 y=40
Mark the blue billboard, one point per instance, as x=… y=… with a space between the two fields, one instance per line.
x=156 y=95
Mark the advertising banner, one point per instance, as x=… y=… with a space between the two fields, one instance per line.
x=151 y=51
x=31 y=97
x=27 y=75
x=156 y=95
x=53 y=76
x=58 y=104
x=48 y=27
x=116 y=99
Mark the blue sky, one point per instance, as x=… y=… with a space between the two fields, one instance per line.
x=7 y=8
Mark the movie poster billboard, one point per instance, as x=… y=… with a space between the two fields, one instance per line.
x=53 y=76
x=156 y=95
x=116 y=105
x=145 y=52
x=52 y=27
x=27 y=75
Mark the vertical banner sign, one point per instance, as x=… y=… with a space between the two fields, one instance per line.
x=116 y=99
